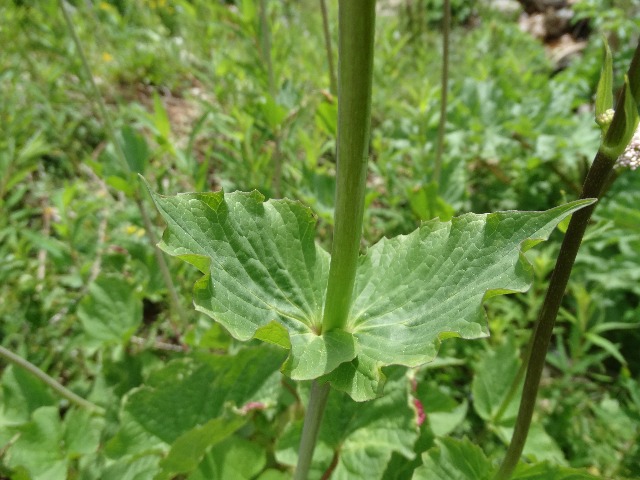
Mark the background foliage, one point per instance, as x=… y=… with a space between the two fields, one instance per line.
x=197 y=108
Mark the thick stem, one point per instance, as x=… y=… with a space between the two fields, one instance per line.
x=444 y=85
x=51 y=382
x=333 y=84
x=355 y=72
x=120 y=155
x=312 y=421
x=597 y=178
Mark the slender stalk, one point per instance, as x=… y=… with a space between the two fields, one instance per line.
x=51 y=382
x=265 y=49
x=120 y=155
x=333 y=84
x=356 y=26
x=444 y=82
x=597 y=178
x=355 y=73
x=312 y=421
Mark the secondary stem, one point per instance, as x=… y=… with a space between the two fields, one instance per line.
x=111 y=133
x=444 y=85
x=312 y=421
x=355 y=72
x=333 y=84
x=356 y=24
x=593 y=187
x=51 y=382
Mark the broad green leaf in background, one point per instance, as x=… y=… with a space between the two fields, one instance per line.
x=22 y=394
x=233 y=459
x=415 y=290
x=111 y=313
x=46 y=444
x=264 y=275
x=442 y=411
x=359 y=437
x=493 y=378
x=546 y=471
x=454 y=460
x=135 y=148
x=494 y=375
x=540 y=445
x=193 y=403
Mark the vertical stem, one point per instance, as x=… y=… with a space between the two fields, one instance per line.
x=444 y=86
x=111 y=133
x=355 y=73
x=597 y=177
x=312 y=421
x=333 y=85
x=265 y=47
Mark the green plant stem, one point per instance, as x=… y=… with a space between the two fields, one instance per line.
x=51 y=382
x=120 y=155
x=265 y=47
x=444 y=86
x=356 y=24
x=312 y=420
x=597 y=178
x=333 y=84
x=355 y=72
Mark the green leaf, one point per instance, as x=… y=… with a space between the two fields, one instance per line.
x=135 y=148
x=443 y=413
x=454 y=460
x=194 y=403
x=46 y=444
x=266 y=278
x=623 y=126
x=604 y=92
x=492 y=381
x=360 y=437
x=189 y=449
x=233 y=459
x=38 y=447
x=111 y=313
x=264 y=275
x=160 y=118
x=22 y=393
x=142 y=468
x=413 y=291
x=545 y=471
x=81 y=433
x=540 y=445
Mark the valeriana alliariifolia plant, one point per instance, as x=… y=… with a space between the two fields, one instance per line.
x=344 y=316
x=618 y=130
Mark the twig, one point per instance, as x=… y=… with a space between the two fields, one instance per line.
x=444 y=87
x=111 y=132
x=50 y=381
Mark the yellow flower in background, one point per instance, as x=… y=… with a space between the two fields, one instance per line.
x=107 y=57
x=134 y=230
